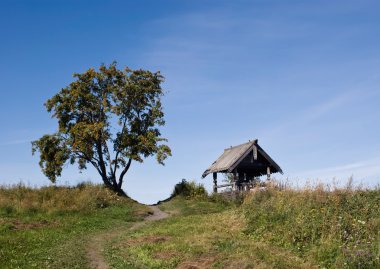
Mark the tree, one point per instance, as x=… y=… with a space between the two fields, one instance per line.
x=106 y=118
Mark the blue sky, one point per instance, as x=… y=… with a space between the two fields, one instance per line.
x=301 y=76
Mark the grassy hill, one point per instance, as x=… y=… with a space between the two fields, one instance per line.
x=338 y=229
x=268 y=229
x=52 y=228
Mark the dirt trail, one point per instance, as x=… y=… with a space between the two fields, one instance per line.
x=94 y=249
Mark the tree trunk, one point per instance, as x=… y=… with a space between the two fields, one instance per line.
x=109 y=183
x=118 y=190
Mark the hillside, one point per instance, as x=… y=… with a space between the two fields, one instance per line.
x=52 y=227
x=269 y=229
x=57 y=227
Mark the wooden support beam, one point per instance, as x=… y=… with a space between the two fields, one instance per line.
x=268 y=173
x=235 y=178
x=215 y=177
x=241 y=178
x=254 y=154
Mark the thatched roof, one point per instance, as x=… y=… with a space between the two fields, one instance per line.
x=245 y=158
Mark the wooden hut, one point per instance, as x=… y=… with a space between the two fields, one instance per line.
x=246 y=162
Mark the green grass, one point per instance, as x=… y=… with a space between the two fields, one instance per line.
x=270 y=229
x=201 y=233
x=50 y=227
x=335 y=229
x=194 y=206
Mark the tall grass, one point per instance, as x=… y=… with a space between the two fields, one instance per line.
x=50 y=227
x=85 y=197
x=338 y=228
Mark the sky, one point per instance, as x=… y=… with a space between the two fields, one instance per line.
x=303 y=77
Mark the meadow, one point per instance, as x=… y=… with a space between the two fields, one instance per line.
x=316 y=227
x=51 y=227
x=275 y=228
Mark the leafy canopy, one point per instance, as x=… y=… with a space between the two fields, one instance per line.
x=107 y=118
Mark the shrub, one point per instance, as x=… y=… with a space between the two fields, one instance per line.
x=189 y=190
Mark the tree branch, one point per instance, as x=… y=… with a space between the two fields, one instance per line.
x=125 y=170
x=101 y=160
x=84 y=156
x=118 y=152
x=109 y=158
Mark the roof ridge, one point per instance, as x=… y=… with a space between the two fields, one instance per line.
x=254 y=141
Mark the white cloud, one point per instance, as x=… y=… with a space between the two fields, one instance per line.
x=366 y=172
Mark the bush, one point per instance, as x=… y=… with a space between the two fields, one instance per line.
x=189 y=190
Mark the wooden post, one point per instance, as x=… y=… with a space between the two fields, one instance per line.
x=236 y=180
x=268 y=173
x=214 y=175
x=241 y=181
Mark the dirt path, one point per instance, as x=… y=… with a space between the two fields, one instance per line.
x=94 y=249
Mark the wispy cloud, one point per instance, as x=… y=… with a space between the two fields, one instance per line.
x=367 y=172
x=301 y=118
x=328 y=106
x=15 y=142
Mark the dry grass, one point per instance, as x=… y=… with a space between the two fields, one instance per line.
x=337 y=228
x=51 y=227
x=275 y=227
x=83 y=198
x=203 y=234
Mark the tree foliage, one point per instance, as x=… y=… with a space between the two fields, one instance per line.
x=106 y=118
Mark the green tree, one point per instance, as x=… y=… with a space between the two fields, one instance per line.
x=106 y=118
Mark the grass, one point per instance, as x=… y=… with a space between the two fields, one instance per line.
x=335 y=229
x=50 y=227
x=268 y=229
x=200 y=234
x=310 y=228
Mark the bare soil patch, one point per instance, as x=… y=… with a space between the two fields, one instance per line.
x=199 y=263
x=165 y=255
x=148 y=239
x=20 y=225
